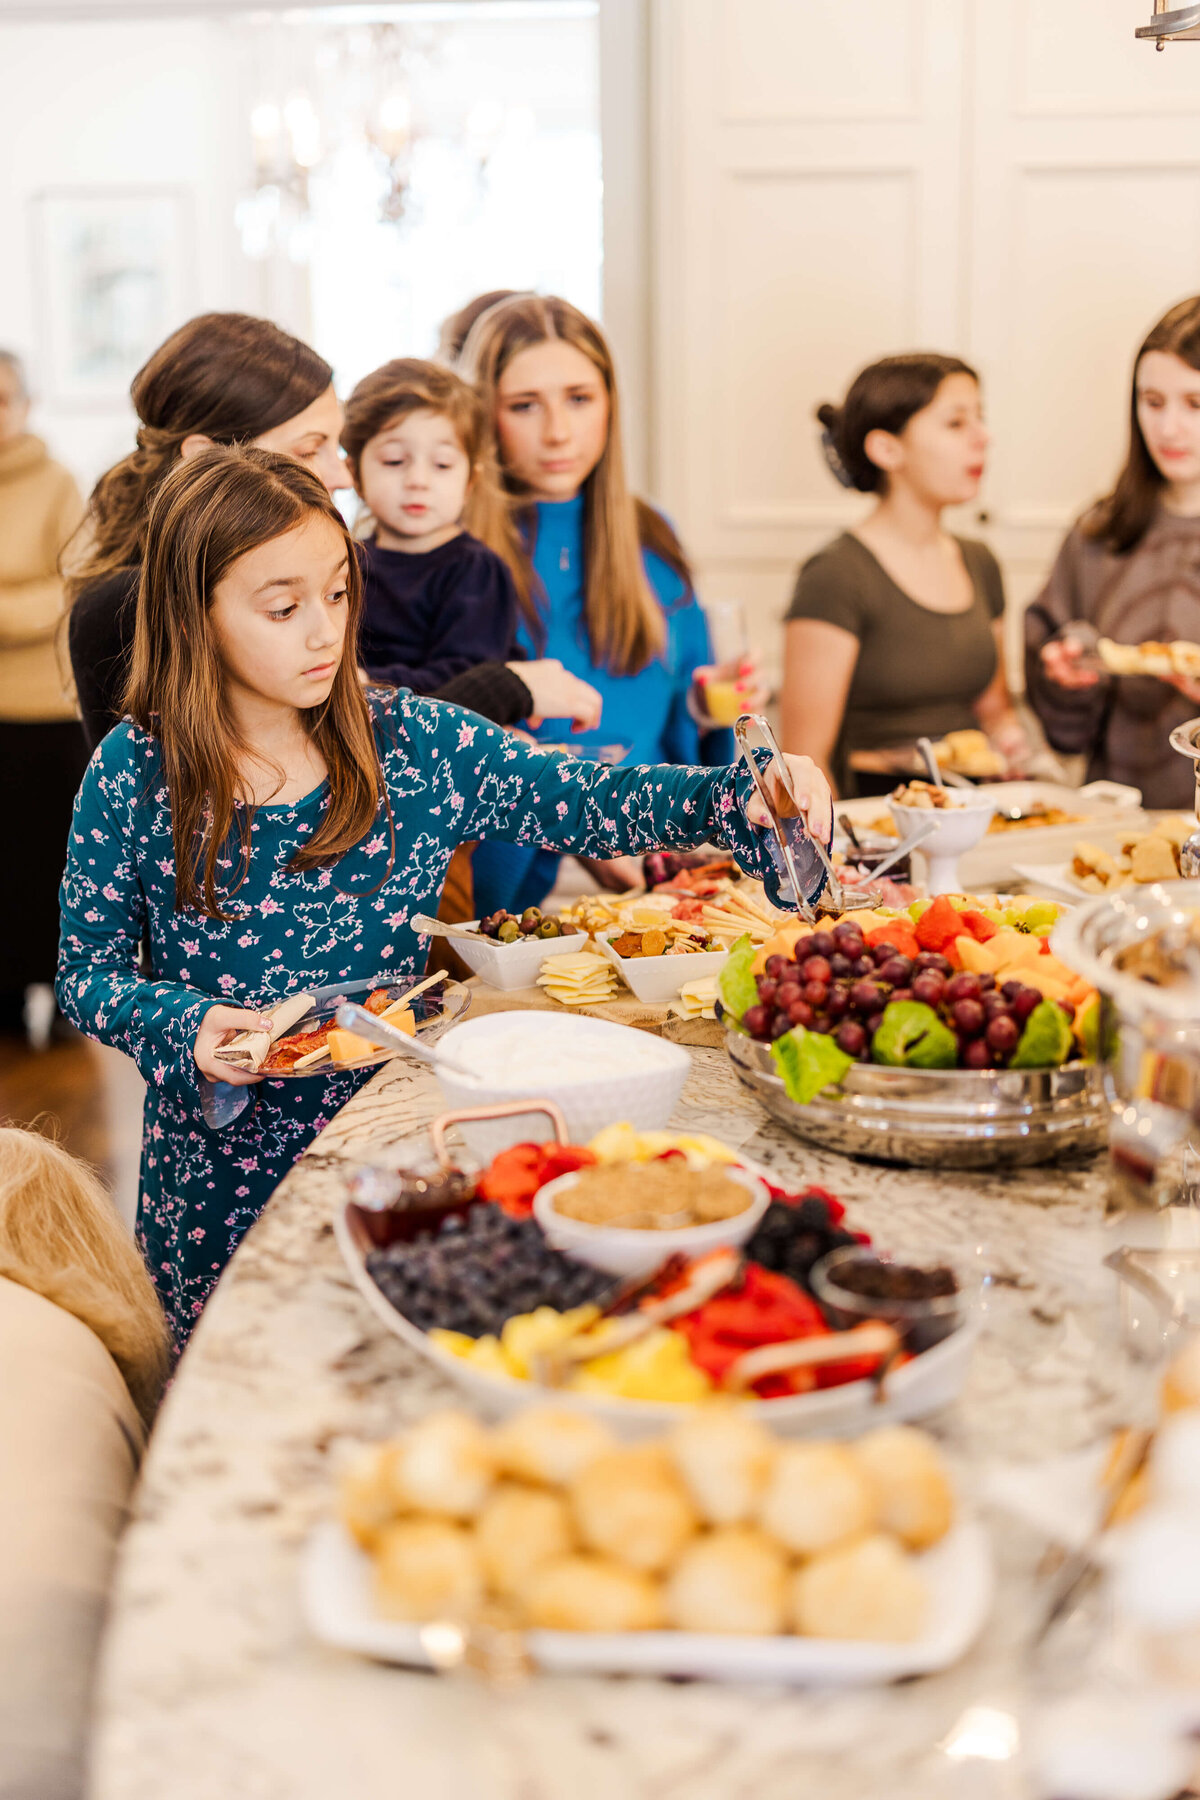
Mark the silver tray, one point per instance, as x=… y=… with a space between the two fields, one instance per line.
x=952 y=1118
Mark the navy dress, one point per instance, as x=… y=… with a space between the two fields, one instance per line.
x=449 y=776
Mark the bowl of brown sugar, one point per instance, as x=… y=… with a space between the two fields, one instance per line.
x=629 y=1217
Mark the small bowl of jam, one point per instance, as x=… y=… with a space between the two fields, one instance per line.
x=923 y=1300
x=387 y=1206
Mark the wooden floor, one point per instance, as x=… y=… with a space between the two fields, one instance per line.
x=88 y=1097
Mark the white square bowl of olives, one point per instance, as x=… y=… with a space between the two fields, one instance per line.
x=509 y=950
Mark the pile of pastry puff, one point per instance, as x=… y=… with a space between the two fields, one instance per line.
x=547 y=1522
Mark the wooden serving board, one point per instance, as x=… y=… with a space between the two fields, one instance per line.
x=623 y=1010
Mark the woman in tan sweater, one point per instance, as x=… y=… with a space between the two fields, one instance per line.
x=1130 y=570
x=42 y=754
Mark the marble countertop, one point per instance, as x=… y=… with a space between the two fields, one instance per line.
x=210 y=1687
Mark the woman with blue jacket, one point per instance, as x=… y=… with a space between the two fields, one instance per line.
x=603 y=583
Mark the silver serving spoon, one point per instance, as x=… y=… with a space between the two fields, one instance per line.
x=430 y=927
x=931 y=762
x=368 y=1025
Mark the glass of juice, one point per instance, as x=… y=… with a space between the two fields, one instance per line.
x=730 y=644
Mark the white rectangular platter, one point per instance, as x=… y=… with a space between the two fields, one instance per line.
x=336 y=1599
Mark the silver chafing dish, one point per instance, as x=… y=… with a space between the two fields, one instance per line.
x=948 y=1118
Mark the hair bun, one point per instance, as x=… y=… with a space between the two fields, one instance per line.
x=830 y=418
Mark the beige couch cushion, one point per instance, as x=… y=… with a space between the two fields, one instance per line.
x=70 y=1440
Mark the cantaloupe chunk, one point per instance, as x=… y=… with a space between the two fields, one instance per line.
x=347 y=1046
x=979 y=959
x=400 y=1014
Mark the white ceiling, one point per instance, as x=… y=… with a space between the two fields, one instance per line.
x=45 y=11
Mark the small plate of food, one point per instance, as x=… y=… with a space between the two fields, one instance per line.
x=1125 y=858
x=715 y=1551
x=306 y=1040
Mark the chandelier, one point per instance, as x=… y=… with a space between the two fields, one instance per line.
x=346 y=94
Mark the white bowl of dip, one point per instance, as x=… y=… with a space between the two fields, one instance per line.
x=596 y=1073
x=632 y=1250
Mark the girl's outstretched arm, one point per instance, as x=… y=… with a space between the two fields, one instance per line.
x=494 y=786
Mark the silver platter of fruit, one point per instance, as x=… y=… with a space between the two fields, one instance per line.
x=952 y=1118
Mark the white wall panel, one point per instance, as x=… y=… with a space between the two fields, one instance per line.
x=1079 y=57
x=804 y=59
x=808 y=217
x=787 y=293
x=1081 y=298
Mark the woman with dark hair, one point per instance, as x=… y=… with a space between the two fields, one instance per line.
x=268 y=828
x=223 y=378
x=1129 y=569
x=894 y=630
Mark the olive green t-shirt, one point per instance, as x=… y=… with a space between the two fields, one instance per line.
x=919 y=673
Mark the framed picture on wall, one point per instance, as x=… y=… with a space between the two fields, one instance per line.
x=114 y=271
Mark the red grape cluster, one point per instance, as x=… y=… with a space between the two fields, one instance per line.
x=837 y=983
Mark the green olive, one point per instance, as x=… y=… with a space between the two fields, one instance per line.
x=549 y=928
x=509 y=931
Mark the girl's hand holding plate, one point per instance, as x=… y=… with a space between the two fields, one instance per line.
x=218 y=1024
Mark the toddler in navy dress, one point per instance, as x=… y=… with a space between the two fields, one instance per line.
x=438 y=602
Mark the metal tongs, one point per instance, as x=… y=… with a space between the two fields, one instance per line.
x=834 y=898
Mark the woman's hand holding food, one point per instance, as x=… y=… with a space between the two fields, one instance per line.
x=1063 y=661
x=557 y=694
x=812 y=797
x=218 y=1025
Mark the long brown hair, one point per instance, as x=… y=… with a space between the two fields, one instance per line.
x=226 y=376
x=60 y=1237
x=1122 y=519
x=408 y=385
x=882 y=397
x=209 y=511
x=625 y=624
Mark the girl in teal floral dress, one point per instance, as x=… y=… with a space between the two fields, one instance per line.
x=264 y=826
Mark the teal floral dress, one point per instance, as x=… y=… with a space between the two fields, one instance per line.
x=450 y=776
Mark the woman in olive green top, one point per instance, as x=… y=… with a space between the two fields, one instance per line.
x=894 y=631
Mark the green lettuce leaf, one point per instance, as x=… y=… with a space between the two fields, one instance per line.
x=808 y=1061
x=737 y=985
x=1047 y=1039
x=912 y=1036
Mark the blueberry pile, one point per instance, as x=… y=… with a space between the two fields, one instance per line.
x=790 y=1239
x=473 y=1274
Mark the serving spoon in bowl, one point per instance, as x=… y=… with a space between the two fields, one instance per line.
x=364 y=1024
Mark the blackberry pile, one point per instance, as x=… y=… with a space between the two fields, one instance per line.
x=790 y=1239
x=473 y=1274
